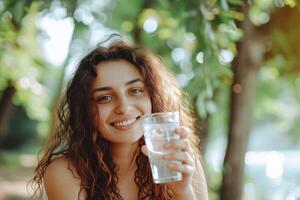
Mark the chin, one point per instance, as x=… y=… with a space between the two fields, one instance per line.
x=130 y=140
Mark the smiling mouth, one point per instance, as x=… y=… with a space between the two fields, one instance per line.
x=125 y=123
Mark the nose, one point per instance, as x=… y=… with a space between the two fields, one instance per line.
x=123 y=106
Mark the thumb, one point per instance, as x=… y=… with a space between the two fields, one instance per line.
x=144 y=150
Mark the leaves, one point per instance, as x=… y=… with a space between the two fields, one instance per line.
x=21 y=62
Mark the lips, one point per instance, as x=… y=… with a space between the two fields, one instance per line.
x=124 y=123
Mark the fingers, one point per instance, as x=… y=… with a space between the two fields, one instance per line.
x=183 y=132
x=181 y=162
x=182 y=145
x=181 y=152
x=144 y=150
x=183 y=157
x=186 y=169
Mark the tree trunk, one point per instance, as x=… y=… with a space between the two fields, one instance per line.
x=245 y=66
x=203 y=134
x=6 y=108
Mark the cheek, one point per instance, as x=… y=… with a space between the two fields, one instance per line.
x=100 y=121
x=103 y=114
x=99 y=115
x=147 y=105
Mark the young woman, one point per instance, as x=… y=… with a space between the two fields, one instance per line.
x=98 y=150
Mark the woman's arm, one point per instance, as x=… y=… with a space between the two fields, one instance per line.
x=198 y=190
x=60 y=181
x=200 y=187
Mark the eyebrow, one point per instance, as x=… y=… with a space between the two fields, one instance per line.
x=110 y=88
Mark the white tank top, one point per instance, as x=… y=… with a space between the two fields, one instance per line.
x=44 y=194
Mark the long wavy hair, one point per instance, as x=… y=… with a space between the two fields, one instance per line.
x=76 y=137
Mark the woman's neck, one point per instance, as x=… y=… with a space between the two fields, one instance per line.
x=124 y=156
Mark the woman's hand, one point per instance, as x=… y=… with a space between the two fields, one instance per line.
x=182 y=152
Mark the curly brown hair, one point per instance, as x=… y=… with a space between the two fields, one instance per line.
x=77 y=139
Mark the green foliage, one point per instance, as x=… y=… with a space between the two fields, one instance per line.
x=277 y=91
x=196 y=39
x=21 y=63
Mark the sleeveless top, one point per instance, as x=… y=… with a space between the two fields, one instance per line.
x=44 y=194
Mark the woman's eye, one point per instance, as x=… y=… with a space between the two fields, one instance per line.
x=104 y=99
x=136 y=91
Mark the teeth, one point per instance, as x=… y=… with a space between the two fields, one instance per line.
x=125 y=123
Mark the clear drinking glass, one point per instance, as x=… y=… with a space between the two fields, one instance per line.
x=159 y=129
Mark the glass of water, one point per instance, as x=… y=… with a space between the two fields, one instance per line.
x=159 y=129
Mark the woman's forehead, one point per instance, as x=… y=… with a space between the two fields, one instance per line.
x=116 y=72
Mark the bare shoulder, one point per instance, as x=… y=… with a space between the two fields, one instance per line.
x=61 y=180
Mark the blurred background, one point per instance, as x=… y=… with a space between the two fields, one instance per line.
x=238 y=62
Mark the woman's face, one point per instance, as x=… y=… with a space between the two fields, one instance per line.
x=121 y=99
